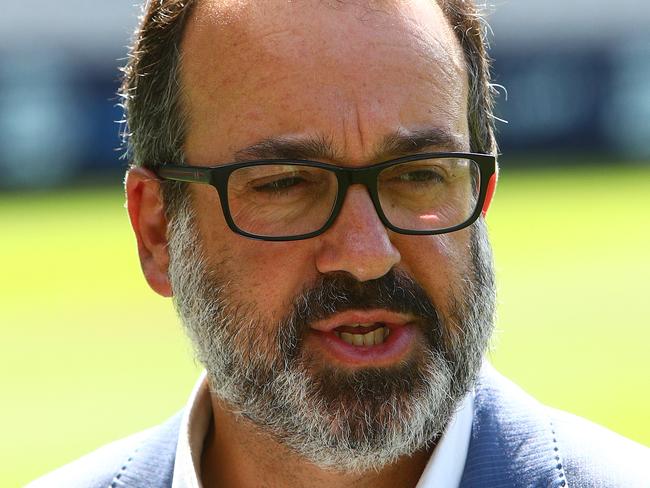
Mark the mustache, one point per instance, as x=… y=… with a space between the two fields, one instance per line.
x=338 y=292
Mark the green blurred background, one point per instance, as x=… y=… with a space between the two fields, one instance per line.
x=89 y=354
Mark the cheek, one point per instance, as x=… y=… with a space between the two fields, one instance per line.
x=271 y=274
x=437 y=263
x=264 y=275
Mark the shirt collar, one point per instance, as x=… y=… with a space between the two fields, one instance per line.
x=195 y=425
x=447 y=461
x=444 y=468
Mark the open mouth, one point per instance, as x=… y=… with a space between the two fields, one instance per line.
x=376 y=337
x=363 y=334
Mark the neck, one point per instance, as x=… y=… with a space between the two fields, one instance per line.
x=237 y=454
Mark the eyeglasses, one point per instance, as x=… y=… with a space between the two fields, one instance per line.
x=287 y=200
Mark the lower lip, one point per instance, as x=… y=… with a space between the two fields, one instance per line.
x=394 y=348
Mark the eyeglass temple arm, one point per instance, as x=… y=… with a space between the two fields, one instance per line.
x=491 y=188
x=189 y=174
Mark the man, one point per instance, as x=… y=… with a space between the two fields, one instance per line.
x=309 y=183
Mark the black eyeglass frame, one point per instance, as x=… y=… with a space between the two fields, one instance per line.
x=217 y=176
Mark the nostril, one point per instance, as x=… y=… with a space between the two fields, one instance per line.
x=362 y=262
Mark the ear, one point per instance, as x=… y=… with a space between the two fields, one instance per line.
x=147 y=214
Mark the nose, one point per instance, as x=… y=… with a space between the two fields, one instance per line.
x=357 y=243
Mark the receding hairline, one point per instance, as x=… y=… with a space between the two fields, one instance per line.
x=192 y=77
x=224 y=11
x=228 y=12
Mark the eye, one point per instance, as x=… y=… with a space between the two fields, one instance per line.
x=280 y=184
x=421 y=176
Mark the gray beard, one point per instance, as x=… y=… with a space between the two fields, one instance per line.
x=339 y=420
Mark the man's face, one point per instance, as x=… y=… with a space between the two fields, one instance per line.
x=266 y=317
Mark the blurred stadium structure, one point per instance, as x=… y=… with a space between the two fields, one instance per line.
x=576 y=74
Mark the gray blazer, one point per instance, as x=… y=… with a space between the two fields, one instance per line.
x=515 y=443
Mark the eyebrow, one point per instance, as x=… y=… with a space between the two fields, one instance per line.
x=398 y=143
x=289 y=148
x=406 y=142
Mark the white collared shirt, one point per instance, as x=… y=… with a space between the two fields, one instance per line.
x=445 y=466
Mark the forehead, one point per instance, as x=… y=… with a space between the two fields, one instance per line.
x=350 y=72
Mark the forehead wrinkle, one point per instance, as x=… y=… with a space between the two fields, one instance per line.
x=358 y=129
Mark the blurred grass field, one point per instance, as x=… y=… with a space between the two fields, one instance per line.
x=90 y=354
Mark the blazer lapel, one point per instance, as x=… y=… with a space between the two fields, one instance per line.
x=151 y=465
x=513 y=444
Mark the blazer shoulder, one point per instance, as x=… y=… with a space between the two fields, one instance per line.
x=596 y=457
x=518 y=442
x=116 y=462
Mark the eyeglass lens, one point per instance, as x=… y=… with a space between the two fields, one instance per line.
x=430 y=194
x=289 y=200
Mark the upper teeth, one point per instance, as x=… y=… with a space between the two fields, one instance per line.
x=373 y=338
